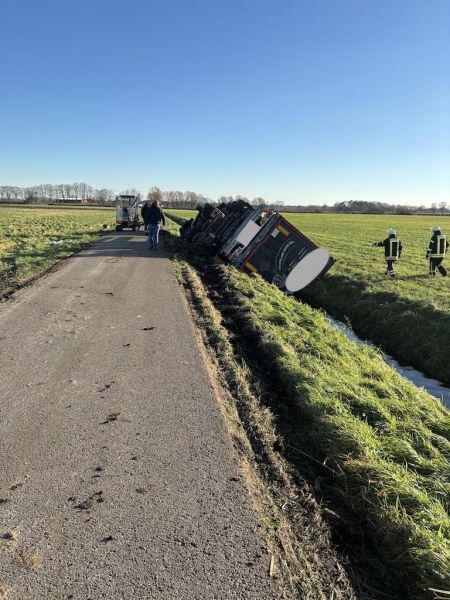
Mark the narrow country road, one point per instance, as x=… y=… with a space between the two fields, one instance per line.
x=117 y=475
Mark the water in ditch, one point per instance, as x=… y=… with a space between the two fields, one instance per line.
x=432 y=386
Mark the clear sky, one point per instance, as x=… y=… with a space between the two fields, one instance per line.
x=305 y=101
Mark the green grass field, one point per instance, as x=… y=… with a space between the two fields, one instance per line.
x=348 y=239
x=409 y=316
x=27 y=236
x=181 y=214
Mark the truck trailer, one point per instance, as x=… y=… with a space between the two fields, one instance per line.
x=260 y=240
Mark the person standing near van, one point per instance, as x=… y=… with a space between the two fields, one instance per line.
x=154 y=218
x=144 y=210
x=436 y=251
x=392 y=251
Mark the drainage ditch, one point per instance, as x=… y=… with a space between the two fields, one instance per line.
x=432 y=386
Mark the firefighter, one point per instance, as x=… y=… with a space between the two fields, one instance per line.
x=392 y=251
x=436 y=251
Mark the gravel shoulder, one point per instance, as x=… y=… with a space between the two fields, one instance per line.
x=118 y=476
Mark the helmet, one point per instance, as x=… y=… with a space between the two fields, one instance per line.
x=392 y=232
x=435 y=228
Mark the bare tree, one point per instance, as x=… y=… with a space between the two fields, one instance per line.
x=49 y=192
x=83 y=190
x=15 y=193
x=155 y=194
x=258 y=201
x=68 y=191
x=75 y=190
x=101 y=195
x=131 y=192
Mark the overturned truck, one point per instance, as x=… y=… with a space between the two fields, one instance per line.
x=259 y=240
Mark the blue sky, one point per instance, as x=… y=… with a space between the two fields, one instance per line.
x=293 y=100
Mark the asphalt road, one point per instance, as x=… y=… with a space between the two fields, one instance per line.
x=118 y=479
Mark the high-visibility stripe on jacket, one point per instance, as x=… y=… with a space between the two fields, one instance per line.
x=438 y=246
x=392 y=249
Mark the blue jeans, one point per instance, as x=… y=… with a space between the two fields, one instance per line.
x=153 y=235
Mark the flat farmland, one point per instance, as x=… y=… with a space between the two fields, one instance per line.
x=408 y=316
x=181 y=214
x=348 y=238
x=34 y=238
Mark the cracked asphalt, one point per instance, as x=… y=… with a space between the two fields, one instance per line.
x=118 y=478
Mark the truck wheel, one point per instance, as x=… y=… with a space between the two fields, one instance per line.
x=118 y=228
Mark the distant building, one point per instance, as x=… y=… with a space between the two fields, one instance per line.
x=69 y=201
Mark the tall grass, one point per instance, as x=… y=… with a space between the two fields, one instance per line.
x=385 y=442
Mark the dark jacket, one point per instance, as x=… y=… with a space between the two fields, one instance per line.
x=392 y=247
x=438 y=245
x=144 y=210
x=154 y=215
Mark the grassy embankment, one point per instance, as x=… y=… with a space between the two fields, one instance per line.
x=380 y=446
x=409 y=317
x=27 y=233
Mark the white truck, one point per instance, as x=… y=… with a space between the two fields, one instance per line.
x=128 y=212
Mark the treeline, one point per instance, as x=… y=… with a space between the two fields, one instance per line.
x=190 y=200
x=372 y=208
x=379 y=208
x=83 y=193
x=63 y=193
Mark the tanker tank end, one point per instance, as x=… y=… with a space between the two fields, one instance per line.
x=259 y=240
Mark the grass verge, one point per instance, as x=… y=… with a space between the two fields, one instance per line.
x=33 y=240
x=412 y=330
x=376 y=448
x=298 y=538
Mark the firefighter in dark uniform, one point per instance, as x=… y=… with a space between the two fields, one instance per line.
x=392 y=251
x=436 y=251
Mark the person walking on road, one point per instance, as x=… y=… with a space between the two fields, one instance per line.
x=154 y=218
x=392 y=251
x=436 y=251
x=144 y=210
